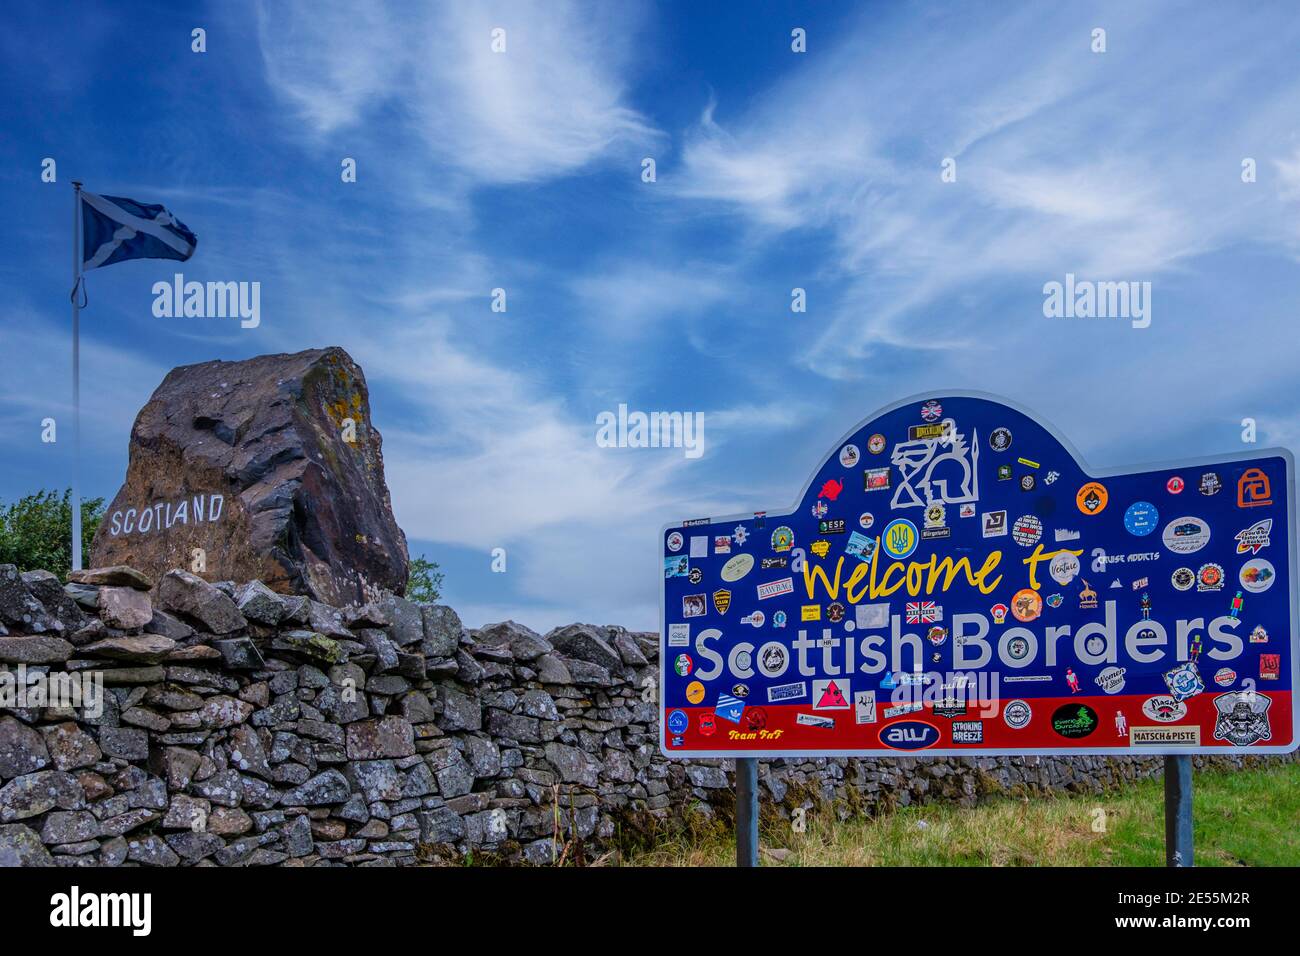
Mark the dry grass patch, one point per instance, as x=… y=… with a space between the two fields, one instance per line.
x=1245 y=817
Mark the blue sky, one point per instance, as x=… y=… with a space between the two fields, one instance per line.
x=775 y=170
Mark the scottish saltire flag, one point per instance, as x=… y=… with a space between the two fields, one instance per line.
x=114 y=229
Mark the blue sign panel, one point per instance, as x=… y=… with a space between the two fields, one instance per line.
x=955 y=580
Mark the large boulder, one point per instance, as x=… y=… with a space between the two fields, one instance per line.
x=272 y=467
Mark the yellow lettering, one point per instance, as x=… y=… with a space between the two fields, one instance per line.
x=949 y=570
x=990 y=563
x=855 y=579
x=918 y=577
x=811 y=574
x=886 y=588
x=914 y=572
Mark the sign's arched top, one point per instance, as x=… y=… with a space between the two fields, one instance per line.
x=955 y=579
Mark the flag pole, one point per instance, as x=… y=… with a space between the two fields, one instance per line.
x=76 y=377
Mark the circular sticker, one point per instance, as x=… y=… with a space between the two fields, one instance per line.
x=849 y=455
x=1092 y=498
x=695 y=692
x=1000 y=439
x=1026 y=605
x=782 y=539
x=1224 y=676
x=1141 y=518
x=1257 y=575
x=1074 y=720
x=1209 y=577
x=737 y=567
x=835 y=612
x=1186 y=535
x=1027 y=530
x=1164 y=708
x=899 y=538
x=876 y=444
x=683 y=665
x=1063 y=567
x=1017 y=714
x=1175 y=485
x=675 y=541
x=931 y=411
x=773 y=659
x=866 y=520
x=1183 y=578
x=678 y=721
x=1017 y=648
x=1111 y=679
x=1184 y=681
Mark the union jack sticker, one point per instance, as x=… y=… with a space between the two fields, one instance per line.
x=923 y=612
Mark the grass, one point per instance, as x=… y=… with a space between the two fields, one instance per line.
x=1242 y=818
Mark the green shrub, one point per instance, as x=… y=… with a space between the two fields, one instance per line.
x=424 y=583
x=36 y=531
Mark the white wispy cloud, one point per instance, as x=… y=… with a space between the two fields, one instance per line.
x=481 y=452
x=1102 y=164
x=552 y=103
x=331 y=62
x=630 y=298
x=115 y=383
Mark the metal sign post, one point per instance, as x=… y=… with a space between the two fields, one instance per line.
x=746 y=811
x=1178 y=810
x=76 y=376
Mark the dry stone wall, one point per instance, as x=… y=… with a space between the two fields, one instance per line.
x=237 y=726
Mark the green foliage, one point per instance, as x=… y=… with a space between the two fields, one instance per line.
x=424 y=583
x=36 y=531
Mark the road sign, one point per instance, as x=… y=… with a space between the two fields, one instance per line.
x=954 y=580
